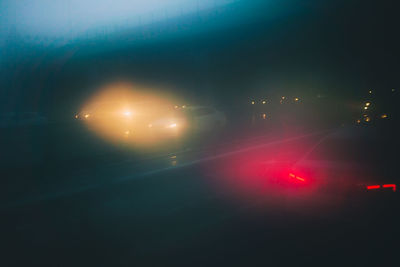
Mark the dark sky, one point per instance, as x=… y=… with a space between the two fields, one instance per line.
x=247 y=49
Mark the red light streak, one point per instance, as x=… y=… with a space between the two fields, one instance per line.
x=390 y=186
x=373 y=187
x=296 y=177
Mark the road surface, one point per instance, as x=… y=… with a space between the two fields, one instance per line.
x=195 y=208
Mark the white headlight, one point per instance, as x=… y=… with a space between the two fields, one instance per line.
x=172 y=125
x=127 y=113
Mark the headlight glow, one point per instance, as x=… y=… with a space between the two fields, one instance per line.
x=172 y=125
x=127 y=113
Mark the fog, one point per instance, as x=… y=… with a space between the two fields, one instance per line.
x=68 y=19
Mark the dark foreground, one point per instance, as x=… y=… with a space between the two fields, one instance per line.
x=196 y=208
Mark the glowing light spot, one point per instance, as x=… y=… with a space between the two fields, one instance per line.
x=87 y=116
x=184 y=106
x=370 y=91
x=370 y=187
x=264 y=102
x=367 y=104
x=176 y=107
x=172 y=125
x=127 y=113
x=365 y=107
x=296 y=99
x=253 y=102
x=384 y=116
x=76 y=116
x=393 y=186
x=367 y=119
x=264 y=116
x=358 y=121
x=296 y=177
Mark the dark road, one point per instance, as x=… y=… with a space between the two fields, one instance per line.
x=206 y=208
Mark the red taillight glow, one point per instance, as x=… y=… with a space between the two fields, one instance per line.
x=296 y=177
x=393 y=186
x=369 y=187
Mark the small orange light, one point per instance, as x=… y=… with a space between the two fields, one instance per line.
x=384 y=116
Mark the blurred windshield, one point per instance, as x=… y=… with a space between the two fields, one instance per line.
x=199 y=132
